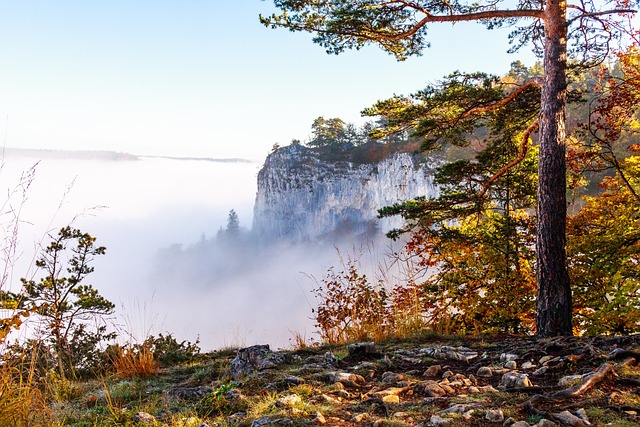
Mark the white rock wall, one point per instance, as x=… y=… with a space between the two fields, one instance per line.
x=302 y=198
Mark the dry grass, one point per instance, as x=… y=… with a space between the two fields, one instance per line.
x=21 y=401
x=134 y=362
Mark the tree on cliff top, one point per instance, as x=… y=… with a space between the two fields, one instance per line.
x=583 y=28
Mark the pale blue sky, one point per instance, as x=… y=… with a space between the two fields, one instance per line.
x=196 y=77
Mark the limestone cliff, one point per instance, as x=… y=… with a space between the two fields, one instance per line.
x=301 y=197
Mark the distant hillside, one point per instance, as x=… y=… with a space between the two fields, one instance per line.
x=101 y=155
x=68 y=155
x=203 y=159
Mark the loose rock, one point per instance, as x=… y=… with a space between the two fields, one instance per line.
x=432 y=371
x=484 y=372
x=436 y=420
x=515 y=379
x=249 y=360
x=288 y=401
x=445 y=352
x=361 y=348
x=143 y=417
x=431 y=389
x=271 y=421
x=494 y=415
x=511 y=365
x=566 y=417
x=319 y=419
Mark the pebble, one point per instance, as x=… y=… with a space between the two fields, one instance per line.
x=511 y=365
x=319 y=419
x=288 y=401
x=494 y=415
x=436 y=420
x=432 y=371
x=484 y=372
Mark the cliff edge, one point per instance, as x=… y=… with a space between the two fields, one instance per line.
x=302 y=197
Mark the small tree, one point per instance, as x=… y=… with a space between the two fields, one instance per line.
x=327 y=132
x=233 y=223
x=64 y=303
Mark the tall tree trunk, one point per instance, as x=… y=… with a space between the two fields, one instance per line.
x=554 y=293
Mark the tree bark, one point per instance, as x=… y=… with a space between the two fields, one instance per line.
x=554 y=293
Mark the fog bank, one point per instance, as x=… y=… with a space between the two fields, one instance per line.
x=166 y=267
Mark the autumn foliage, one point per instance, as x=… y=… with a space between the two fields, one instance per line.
x=476 y=254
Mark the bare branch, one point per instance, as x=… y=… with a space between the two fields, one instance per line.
x=599 y=13
x=475 y=16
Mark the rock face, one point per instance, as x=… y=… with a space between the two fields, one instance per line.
x=301 y=197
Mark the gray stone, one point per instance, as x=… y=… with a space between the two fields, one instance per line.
x=545 y=359
x=447 y=388
x=234 y=394
x=447 y=374
x=361 y=348
x=319 y=419
x=143 y=417
x=444 y=352
x=432 y=389
x=528 y=365
x=494 y=415
x=520 y=424
x=391 y=377
x=484 y=372
x=583 y=415
x=358 y=418
x=487 y=389
x=567 y=418
x=432 y=371
x=508 y=357
x=540 y=371
x=236 y=417
x=546 y=423
x=515 y=379
x=293 y=380
x=271 y=421
x=329 y=358
x=461 y=408
x=570 y=380
x=511 y=364
x=346 y=378
x=249 y=360
x=288 y=401
x=436 y=421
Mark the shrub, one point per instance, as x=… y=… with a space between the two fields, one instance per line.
x=136 y=361
x=351 y=308
x=167 y=350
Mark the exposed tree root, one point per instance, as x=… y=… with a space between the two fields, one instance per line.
x=605 y=371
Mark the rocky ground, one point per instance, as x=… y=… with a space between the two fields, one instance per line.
x=430 y=381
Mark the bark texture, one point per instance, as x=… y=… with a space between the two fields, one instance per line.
x=554 y=292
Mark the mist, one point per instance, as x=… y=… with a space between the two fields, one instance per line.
x=168 y=266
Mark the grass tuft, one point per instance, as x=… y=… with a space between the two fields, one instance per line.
x=134 y=362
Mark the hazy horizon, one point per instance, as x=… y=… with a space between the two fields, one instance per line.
x=164 y=270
